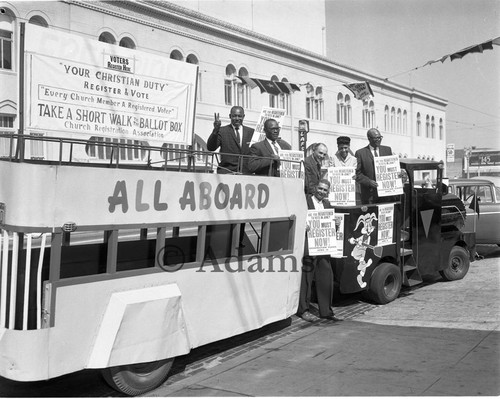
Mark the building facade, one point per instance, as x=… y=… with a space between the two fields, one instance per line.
x=411 y=121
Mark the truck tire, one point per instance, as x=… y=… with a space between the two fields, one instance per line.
x=385 y=283
x=136 y=379
x=458 y=264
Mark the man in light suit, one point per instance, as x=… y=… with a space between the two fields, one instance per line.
x=231 y=139
x=264 y=158
x=365 y=170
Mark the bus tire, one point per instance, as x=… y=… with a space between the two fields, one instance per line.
x=385 y=283
x=136 y=379
x=458 y=264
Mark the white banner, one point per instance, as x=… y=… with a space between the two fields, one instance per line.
x=321 y=237
x=387 y=175
x=342 y=185
x=385 y=224
x=265 y=114
x=293 y=169
x=86 y=87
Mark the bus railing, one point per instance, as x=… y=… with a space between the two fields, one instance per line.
x=13 y=147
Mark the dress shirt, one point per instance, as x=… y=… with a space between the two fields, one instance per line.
x=317 y=203
x=274 y=145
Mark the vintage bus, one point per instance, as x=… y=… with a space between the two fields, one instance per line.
x=123 y=268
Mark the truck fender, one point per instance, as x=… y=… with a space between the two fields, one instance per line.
x=141 y=325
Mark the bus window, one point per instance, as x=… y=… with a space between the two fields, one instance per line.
x=218 y=240
x=83 y=254
x=279 y=235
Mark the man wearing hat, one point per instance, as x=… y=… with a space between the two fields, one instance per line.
x=344 y=157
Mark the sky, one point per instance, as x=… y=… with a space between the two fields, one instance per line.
x=391 y=38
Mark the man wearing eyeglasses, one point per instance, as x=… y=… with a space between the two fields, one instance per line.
x=365 y=170
x=264 y=155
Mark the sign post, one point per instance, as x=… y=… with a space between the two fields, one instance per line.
x=467 y=153
x=303 y=130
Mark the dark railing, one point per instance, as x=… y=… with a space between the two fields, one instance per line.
x=13 y=148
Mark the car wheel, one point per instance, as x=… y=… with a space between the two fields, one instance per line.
x=385 y=283
x=458 y=264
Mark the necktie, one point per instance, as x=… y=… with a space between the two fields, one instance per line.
x=237 y=135
x=376 y=152
x=276 y=149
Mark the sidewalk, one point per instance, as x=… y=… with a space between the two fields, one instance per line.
x=442 y=339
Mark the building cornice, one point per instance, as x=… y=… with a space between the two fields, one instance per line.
x=212 y=26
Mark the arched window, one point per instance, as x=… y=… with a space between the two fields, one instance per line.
x=398 y=121
x=419 y=125
x=441 y=129
x=242 y=90
x=405 y=122
x=386 y=118
x=127 y=42
x=309 y=101
x=285 y=99
x=365 y=114
x=192 y=59
x=107 y=37
x=427 y=127
x=318 y=104
x=228 y=84
x=273 y=98
x=347 y=110
x=393 y=119
x=340 y=108
x=106 y=148
x=5 y=41
x=38 y=20
x=433 y=128
x=176 y=55
x=371 y=119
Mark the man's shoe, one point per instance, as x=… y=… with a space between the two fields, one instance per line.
x=308 y=316
x=331 y=317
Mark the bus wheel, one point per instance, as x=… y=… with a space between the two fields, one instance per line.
x=385 y=283
x=136 y=379
x=458 y=264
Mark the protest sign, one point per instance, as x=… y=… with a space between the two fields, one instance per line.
x=265 y=114
x=321 y=236
x=385 y=224
x=387 y=175
x=339 y=232
x=342 y=185
x=291 y=169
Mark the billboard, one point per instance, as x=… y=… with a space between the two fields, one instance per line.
x=85 y=87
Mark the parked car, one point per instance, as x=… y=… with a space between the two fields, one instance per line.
x=487 y=225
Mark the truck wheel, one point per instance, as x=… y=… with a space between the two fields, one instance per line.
x=136 y=379
x=385 y=283
x=458 y=264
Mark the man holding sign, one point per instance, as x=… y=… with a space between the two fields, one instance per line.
x=317 y=267
x=365 y=170
x=232 y=139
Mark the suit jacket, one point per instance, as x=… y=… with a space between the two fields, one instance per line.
x=365 y=172
x=225 y=138
x=259 y=164
x=310 y=203
x=312 y=174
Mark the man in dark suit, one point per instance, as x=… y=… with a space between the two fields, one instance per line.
x=232 y=139
x=365 y=170
x=264 y=158
x=318 y=268
x=312 y=168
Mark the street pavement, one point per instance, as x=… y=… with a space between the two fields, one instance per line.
x=440 y=339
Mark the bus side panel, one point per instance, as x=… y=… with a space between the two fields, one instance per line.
x=28 y=364
x=141 y=325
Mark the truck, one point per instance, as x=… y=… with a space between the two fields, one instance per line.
x=388 y=246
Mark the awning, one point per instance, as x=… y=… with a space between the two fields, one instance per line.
x=270 y=86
